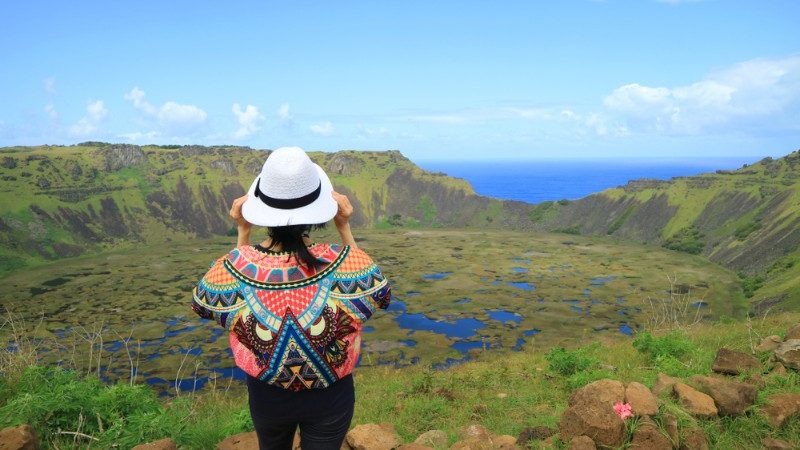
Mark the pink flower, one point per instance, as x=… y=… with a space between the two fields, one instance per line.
x=623 y=410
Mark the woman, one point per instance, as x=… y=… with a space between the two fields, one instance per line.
x=294 y=309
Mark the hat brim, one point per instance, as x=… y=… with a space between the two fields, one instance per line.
x=321 y=210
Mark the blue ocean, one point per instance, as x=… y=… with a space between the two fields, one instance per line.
x=537 y=181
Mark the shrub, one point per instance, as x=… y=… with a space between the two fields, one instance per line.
x=687 y=240
x=674 y=344
x=569 y=362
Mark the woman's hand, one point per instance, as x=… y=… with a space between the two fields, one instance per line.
x=342 y=216
x=242 y=225
x=342 y=219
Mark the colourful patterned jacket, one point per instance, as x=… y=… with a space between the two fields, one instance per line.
x=290 y=326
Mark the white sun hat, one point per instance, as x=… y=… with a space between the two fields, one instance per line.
x=290 y=190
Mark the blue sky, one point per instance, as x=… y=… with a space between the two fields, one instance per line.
x=436 y=80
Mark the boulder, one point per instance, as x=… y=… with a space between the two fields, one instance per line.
x=779 y=369
x=596 y=420
x=642 y=401
x=476 y=432
x=505 y=442
x=732 y=398
x=793 y=333
x=161 y=444
x=21 y=437
x=664 y=383
x=371 y=436
x=432 y=438
x=788 y=353
x=694 y=439
x=768 y=344
x=649 y=437
x=733 y=363
x=780 y=407
x=775 y=444
x=414 y=446
x=534 y=434
x=694 y=401
x=671 y=427
x=604 y=391
x=582 y=443
x=241 y=441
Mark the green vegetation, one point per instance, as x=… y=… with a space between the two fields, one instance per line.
x=750 y=284
x=744 y=230
x=688 y=240
x=414 y=399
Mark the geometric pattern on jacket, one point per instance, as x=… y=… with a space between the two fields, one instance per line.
x=291 y=326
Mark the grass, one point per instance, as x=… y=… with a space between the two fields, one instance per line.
x=505 y=394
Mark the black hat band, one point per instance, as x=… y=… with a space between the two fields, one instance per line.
x=288 y=203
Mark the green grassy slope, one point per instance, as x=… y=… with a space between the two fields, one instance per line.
x=60 y=201
x=746 y=219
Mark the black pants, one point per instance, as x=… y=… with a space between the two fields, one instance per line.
x=323 y=415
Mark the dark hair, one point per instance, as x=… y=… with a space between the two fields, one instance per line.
x=290 y=238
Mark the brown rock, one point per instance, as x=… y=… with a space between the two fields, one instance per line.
x=505 y=442
x=793 y=333
x=476 y=432
x=694 y=439
x=648 y=437
x=21 y=437
x=596 y=420
x=414 y=446
x=789 y=353
x=671 y=427
x=604 y=391
x=732 y=398
x=582 y=443
x=241 y=441
x=695 y=402
x=534 y=433
x=432 y=438
x=780 y=407
x=161 y=444
x=768 y=344
x=733 y=363
x=664 y=383
x=775 y=444
x=779 y=369
x=642 y=401
x=373 y=436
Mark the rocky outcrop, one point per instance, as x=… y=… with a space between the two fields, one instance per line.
x=695 y=402
x=119 y=156
x=780 y=407
x=432 y=438
x=733 y=363
x=788 y=353
x=648 y=437
x=241 y=441
x=161 y=444
x=373 y=437
x=591 y=413
x=731 y=398
x=21 y=437
x=642 y=401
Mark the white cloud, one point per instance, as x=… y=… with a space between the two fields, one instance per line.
x=322 y=129
x=50 y=85
x=284 y=113
x=137 y=136
x=88 y=125
x=175 y=114
x=50 y=109
x=744 y=94
x=249 y=120
x=171 y=120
